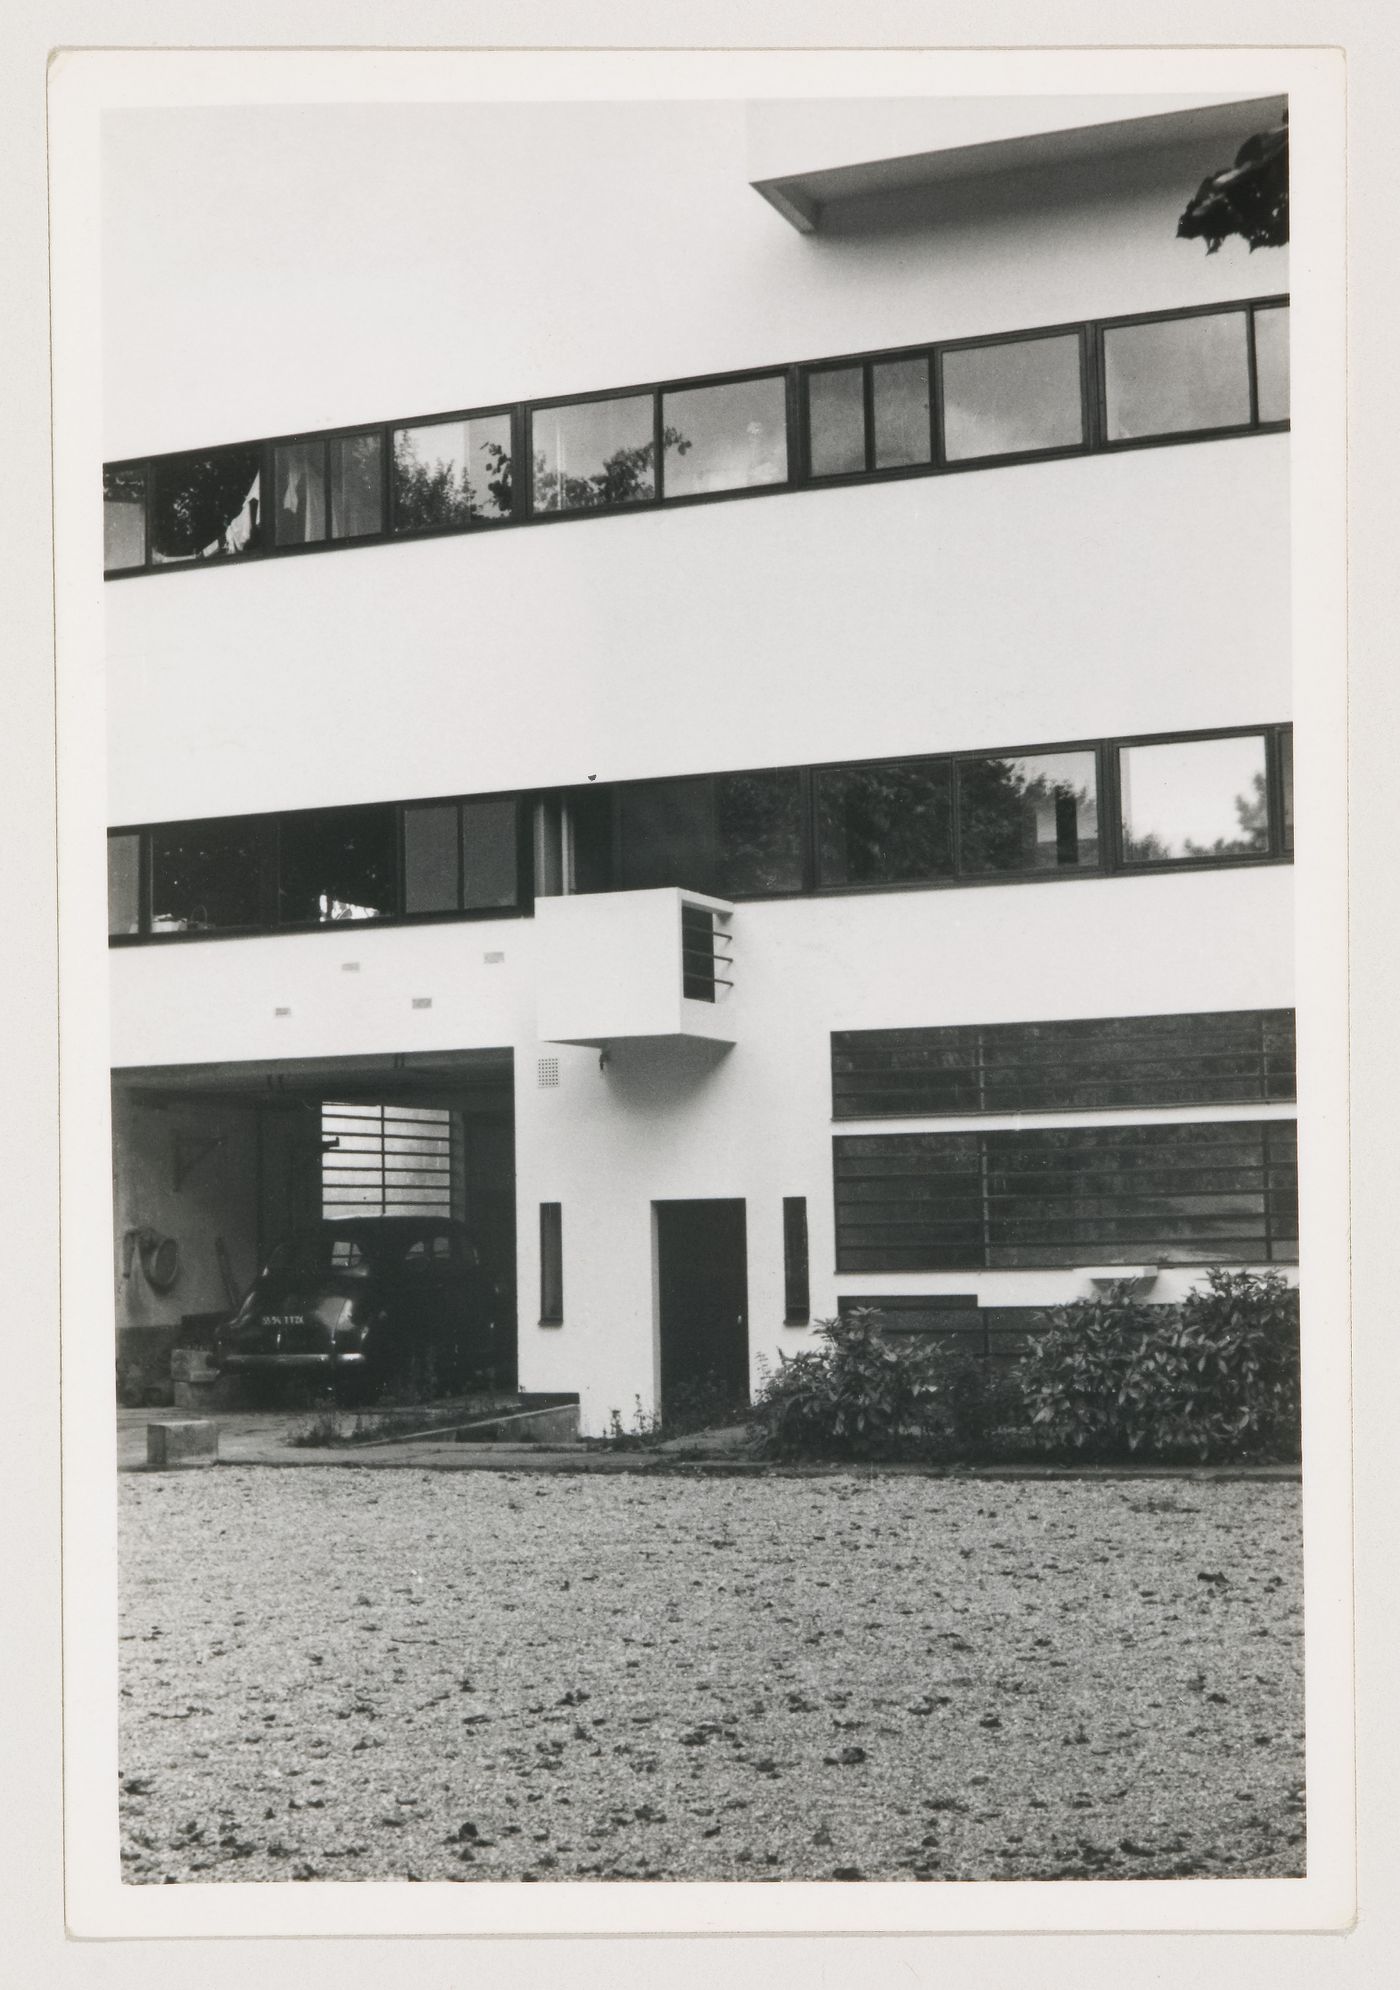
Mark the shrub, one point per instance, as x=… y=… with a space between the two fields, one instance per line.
x=979 y=1410
x=858 y=1396
x=1215 y=1378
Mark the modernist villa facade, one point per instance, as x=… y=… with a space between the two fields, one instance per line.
x=740 y=767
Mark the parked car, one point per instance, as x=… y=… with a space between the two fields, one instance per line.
x=368 y=1304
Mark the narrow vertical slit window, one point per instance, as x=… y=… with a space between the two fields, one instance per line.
x=551 y=1264
x=797 y=1298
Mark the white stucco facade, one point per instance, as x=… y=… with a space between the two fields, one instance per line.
x=1025 y=604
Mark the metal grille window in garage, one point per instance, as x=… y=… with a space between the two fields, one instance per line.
x=379 y=1160
x=1211 y=1192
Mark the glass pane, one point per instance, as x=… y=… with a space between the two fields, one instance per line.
x=1285 y=760
x=299 y=483
x=357 y=505
x=998 y=399
x=446 y=473
x=590 y=832
x=123 y=518
x=1271 y=361
x=430 y=868
x=593 y=453
x=489 y=860
x=1035 y=813
x=123 y=884
x=759 y=826
x=836 y=420
x=667 y=834
x=1194 y=798
x=207 y=877
x=902 y=432
x=337 y=865
x=726 y=438
x=1178 y=374
x=885 y=825
x=206 y=506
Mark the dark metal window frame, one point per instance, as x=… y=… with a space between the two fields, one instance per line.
x=269 y=897
x=1249 y=306
x=795 y=375
x=1273 y=1081
x=995 y=1149
x=1110 y=860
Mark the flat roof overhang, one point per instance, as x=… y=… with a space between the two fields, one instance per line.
x=1025 y=137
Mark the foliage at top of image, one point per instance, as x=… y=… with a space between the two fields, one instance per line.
x=1248 y=199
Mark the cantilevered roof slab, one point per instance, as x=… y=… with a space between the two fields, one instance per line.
x=809 y=155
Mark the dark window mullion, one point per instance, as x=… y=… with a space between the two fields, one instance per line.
x=868 y=403
x=935 y=408
x=1252 y=359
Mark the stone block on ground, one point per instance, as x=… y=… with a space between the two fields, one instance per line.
x=170 y=1444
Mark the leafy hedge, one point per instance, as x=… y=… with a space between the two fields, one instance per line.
x=1214 y=1379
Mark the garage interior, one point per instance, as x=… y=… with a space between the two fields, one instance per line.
x=214 y=1164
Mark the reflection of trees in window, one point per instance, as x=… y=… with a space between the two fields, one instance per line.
x=1252 y=812
x=885 y=825
x=1252 y=839
x=441 y=491
x=758 y=819
x=1019 y=815
x=626 y=477
x=206 y=506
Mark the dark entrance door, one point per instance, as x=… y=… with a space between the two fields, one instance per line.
x=703 y=1292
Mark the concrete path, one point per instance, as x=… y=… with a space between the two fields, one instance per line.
x=260 y=1438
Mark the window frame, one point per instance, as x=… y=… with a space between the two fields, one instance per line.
x=1051 y=451
x=1001 y=1037
x=991 y=1151
x=1228 y=432
x=795 y=374
x=797 y=1263
x=1272 y=737
x=551 y=1264
x=1110 y=862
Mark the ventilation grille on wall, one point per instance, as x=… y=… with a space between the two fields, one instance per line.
x=548 y=1072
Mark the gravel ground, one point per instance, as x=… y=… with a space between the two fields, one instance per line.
x=411 y=1675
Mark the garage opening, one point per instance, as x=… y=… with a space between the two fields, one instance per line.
x=215 y=1167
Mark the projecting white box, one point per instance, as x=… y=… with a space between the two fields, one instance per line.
x=617 y=965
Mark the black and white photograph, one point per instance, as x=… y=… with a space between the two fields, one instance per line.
x=669 y=1311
